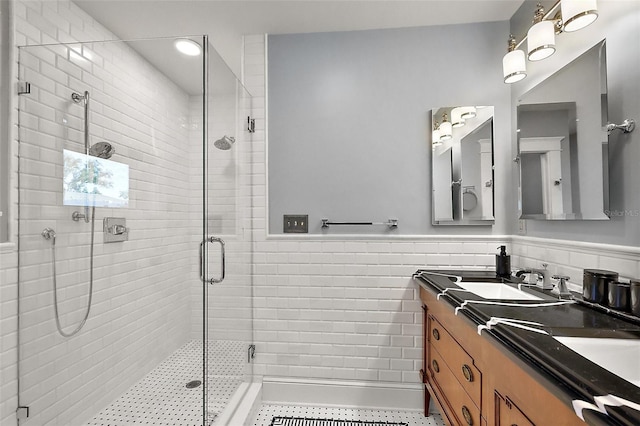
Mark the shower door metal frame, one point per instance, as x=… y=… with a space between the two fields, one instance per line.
x=205 y=200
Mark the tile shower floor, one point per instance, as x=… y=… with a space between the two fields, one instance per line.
x=162 y=398
x=412 y=418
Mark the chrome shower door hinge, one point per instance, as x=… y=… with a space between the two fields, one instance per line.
x=24 y=88
x=22 y=413
x=251 y=124
x=251 y=352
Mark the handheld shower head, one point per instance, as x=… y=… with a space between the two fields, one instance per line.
x=225 y=142
x=102 y=150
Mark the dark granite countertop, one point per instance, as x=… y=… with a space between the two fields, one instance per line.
x=605 y=398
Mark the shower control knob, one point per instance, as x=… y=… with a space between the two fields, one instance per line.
x=48 y=234
x=118 y=229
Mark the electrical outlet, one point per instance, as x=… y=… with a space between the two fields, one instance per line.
x=296 y=223
x=522 y=226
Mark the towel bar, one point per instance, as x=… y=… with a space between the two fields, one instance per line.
x=391 y=223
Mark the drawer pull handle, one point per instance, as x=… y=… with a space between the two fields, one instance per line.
x=435 y=365
x=436 y=334
x=468 y=374
x=467 y=415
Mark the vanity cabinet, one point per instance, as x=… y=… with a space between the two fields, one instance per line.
x=508 y=413
x=477 y=381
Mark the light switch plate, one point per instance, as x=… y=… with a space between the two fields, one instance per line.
x=522 y=226
x=295 y=224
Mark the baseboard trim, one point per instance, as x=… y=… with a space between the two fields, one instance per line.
x=349 y=394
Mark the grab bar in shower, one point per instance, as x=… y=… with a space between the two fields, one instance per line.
x=391 y=223
x=223 y=261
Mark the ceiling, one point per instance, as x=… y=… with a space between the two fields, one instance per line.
x=227 y=21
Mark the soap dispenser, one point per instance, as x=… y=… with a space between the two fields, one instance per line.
x=503 y=263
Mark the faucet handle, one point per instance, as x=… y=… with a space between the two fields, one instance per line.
x=544 y=265
x=563 y=291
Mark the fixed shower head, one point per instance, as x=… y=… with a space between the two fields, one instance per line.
x=225 y=142
x=102 y=150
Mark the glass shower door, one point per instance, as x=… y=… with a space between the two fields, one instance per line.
x=118 y=187
x=227 y=321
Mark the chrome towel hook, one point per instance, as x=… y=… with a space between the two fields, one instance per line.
x=627 y=126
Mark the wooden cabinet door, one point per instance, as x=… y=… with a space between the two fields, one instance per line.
x=508 y=413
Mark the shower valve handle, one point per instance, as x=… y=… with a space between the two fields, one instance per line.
x=118 y=229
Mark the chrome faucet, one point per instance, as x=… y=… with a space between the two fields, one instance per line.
x=563 y=291
x=541 y=275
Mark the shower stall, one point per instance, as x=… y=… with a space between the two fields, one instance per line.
x=135 y=242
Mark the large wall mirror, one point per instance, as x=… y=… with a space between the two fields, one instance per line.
x=462 y=165
x=563 y=144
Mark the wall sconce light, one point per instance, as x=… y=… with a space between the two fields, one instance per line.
x=446 y=129
x=435 y=135
x=456 y=117
x=468 y=112
x=574 y=15
x=514 y=65
x=577 y=14
x=541 y=38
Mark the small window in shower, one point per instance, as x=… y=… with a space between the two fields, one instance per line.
x=93 y=181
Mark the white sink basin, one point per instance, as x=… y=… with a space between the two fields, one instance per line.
x=496 y=291
x=619 y=356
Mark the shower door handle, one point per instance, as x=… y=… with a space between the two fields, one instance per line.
x=222 y=258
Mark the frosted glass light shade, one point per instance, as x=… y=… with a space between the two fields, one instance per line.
x=435 y=137
x=577 y=14
x=541 y=40
x=456 y=117
x=468 y=112
x=446 y=131
x=514 y=66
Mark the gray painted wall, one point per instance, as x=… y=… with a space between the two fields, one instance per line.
x=619 y=23
x=348 y=117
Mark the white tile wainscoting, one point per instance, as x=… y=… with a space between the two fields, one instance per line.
x=571 y=257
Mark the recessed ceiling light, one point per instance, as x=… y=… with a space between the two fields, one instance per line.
x=188 y=47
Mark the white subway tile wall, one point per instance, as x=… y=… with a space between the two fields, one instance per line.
x=570 y=258
x=141 y=287
x=339 y=308
x=142 y=303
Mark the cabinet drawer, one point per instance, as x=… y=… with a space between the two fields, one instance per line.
x=460 y=403
x=458 y=360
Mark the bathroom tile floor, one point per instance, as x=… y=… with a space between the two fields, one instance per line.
x=412 y=418
x=162 y=398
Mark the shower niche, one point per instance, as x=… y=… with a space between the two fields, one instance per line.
x=462 y=165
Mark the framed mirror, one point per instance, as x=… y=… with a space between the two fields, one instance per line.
x=462 y=165
x=563 y=143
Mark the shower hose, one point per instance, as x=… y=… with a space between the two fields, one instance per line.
x=49 y=234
